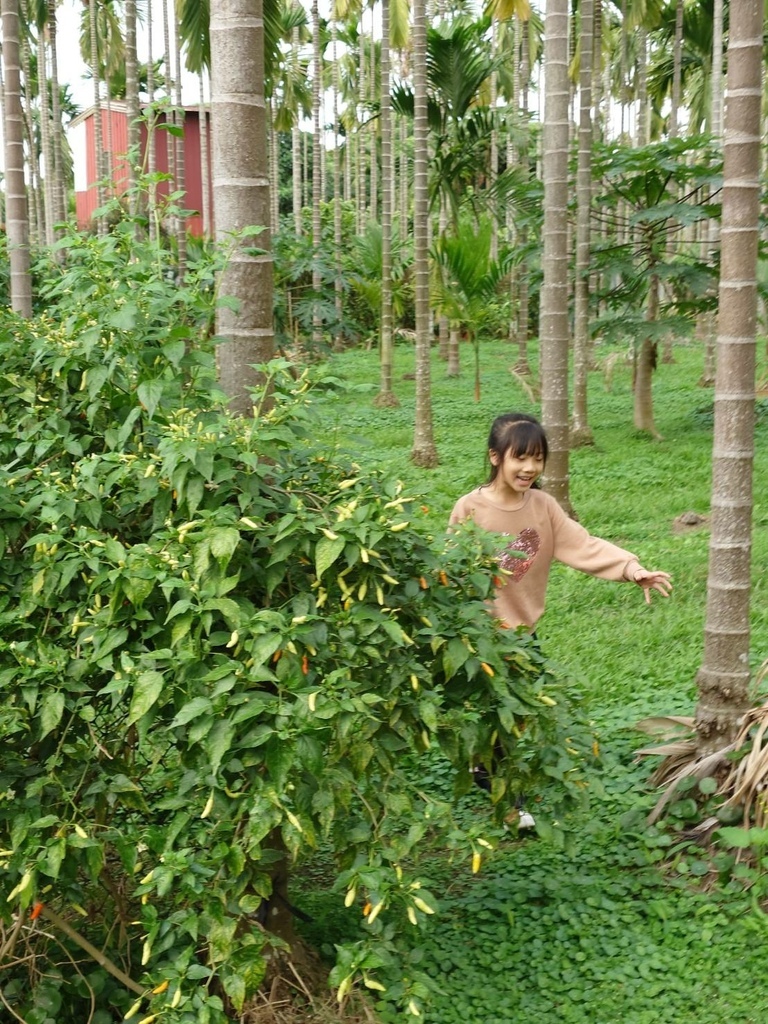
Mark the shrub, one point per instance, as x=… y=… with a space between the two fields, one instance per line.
x=222 y=645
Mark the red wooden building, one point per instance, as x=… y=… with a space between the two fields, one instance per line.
x=114 y=135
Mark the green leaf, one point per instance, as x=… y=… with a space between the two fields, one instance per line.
x=148 y=688
x=150 y=393
x=51 y=710
x=196 y=707
x=218 y=742
x=454 y=656
x=326 y=553
x=223 y=543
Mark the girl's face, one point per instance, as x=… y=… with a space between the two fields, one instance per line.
x=516 y=474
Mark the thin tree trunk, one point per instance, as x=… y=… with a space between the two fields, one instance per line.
x=179 y=144
x=296 y=148
x=57 y=171
x=424 y=452
x=554 y=291
x=522 y=365
x=713 y=227
x=45 y=137
x=677 y=63
x=241 y=186
x=17 y=224
x=403 y=174
x=317 y=71
x=581 y=432
x=374 y=164
x=151 y=131
x=205 y=162
x=98 y=139
x=645 y=363
x=643 y=104
x=274 y=170
x=386 y=396
x=132 y=94
x=493 y=169
x=723 y=679
x=337 y=225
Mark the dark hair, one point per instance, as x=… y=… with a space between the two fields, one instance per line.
x=519 y=433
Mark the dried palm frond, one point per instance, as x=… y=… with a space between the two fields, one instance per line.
x=532 y=391
x=739 y=767
x=667 y=725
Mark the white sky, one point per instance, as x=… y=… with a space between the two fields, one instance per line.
x=72 y=68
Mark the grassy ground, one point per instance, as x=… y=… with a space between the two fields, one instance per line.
x=604 y=935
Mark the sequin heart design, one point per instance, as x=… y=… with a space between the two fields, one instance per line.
x=528 y=543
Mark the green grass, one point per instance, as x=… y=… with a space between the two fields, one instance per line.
x=622 y=929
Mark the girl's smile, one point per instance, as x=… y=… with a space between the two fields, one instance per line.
x=516 y=474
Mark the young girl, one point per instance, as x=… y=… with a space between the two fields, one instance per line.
x=510 y=505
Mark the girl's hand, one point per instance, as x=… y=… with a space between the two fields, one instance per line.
x=649 y=581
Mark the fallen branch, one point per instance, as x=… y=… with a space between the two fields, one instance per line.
x=97 y=955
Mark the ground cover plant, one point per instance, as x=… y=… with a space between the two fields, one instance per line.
x=633 y=923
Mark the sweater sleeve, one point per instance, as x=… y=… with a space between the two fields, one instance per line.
x=575 y=547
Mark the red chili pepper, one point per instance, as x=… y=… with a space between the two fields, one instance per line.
x=305 y=664
x=37 y=910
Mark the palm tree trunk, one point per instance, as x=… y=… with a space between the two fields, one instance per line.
x=403 y=175
x=241 y=186
x=17 y=224
x=424 y=452
x=554 y=291
x=713 y=227
x=274 y=169
x=386 y=396
x=45 y=135
x=645 y=363
x=643 y=104
x=35 y=203
x=132 y=96
x=59 y=187
x=205 y=162
x=522 y=365
x=723 y=679
x=179 y=142
x=98 y=139
x=337 y=226
x=677 y=63
x=296 y=149
x=317 y=241
x=493 y=170
x=151 y=132
x=360 y=189
x=374 y=165
x=581 y=432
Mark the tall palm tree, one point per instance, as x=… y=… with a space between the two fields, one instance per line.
x=89 y=41
x=60 y=194
x=181 y=181
x=46 y=142
x=581 y=432
x=242 y=193
x=296 y=147
x=17 y=223
x=194 y=23
x=723 y=679
x=317 y=76
x=386 y=396
x=133 y=110
x=553 y=319
x=424 y=452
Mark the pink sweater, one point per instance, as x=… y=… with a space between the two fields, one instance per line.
x=542 y=531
